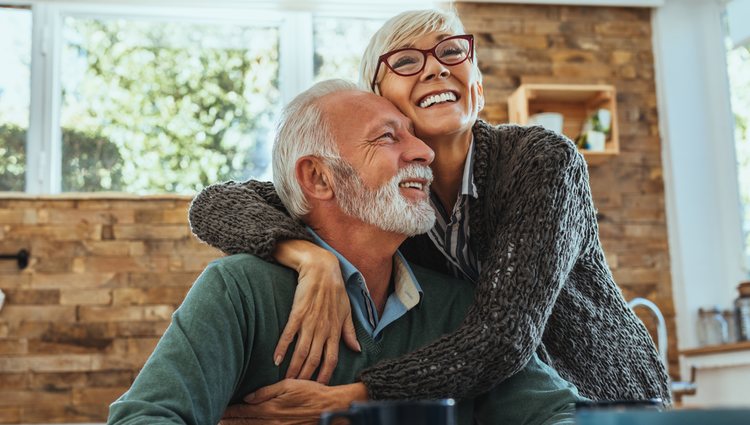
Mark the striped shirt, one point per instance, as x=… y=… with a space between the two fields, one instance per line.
x=450 y=234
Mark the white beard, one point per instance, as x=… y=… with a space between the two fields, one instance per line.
x=384 y=207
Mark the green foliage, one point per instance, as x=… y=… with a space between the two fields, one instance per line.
x=90 y=162
x=12 y=158
x=738 y=65
x=179 y=105
x=339 y=44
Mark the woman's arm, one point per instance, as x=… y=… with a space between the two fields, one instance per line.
x=248 y=217
x=531 y=255
x=243 y=217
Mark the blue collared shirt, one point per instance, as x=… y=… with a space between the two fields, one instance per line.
x=406 y=295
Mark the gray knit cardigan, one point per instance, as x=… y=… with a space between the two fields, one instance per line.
x=544 y=283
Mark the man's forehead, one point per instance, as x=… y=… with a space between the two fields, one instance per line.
x=348 y=99
x=364 y=109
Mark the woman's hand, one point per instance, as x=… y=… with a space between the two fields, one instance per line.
x=293 y=401
x=321 y=314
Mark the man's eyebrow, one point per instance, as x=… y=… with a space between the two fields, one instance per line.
x=378 y=129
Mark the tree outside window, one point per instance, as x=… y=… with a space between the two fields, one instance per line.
x=15 y=77
x=738 y=60
x=151 y=107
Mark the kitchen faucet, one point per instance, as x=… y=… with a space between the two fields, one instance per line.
x=678 y=388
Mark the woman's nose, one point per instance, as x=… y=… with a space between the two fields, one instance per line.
x=433 y=69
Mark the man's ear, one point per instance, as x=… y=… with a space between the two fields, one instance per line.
x=314 y=178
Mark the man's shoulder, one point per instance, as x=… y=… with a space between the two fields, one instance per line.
x=244 y=269
x=433 y=281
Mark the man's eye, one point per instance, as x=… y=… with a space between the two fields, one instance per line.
x=387 y=137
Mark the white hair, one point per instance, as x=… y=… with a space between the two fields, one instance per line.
x=401 y=31
x=384 y=207
x=301 y=131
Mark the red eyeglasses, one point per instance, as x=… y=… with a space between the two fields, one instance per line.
x=449 y=51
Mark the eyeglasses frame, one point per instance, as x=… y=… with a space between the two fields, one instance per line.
x=383 y=58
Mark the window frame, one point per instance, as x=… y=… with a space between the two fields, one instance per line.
x=44 y=139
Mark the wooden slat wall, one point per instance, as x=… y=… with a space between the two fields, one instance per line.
x=594 y=45
x=80 y=321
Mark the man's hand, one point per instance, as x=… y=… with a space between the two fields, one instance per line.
x=293 y=401
x=320 y=314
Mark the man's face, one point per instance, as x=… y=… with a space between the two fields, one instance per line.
x=383 y=176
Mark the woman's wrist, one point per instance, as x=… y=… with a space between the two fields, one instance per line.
x=297 y=254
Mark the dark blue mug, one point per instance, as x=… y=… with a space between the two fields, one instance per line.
x=423 y=412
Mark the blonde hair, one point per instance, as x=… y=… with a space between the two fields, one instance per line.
x=303 y=130
x=401 y=31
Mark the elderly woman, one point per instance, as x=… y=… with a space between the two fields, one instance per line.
x=515 y=216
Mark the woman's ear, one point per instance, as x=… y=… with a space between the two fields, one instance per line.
x=314 y=178
x=480 y=95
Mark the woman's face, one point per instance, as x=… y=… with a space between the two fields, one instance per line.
x=412 y=94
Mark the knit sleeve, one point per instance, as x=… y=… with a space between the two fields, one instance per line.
x=243 y=217
x=532 y=250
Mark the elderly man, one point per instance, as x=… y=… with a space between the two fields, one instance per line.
x=346 y=163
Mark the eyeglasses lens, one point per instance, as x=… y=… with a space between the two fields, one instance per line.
x=451 y=51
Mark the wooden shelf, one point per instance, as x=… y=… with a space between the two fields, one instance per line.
x=576 y=102
x=724 y=348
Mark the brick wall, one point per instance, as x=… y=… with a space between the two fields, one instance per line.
x=106 y=273
x=607 y=45
x=80 y=321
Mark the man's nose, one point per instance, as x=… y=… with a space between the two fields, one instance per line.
x=433 y=68
x=418 y=151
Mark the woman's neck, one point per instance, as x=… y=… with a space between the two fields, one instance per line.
x=448 y=168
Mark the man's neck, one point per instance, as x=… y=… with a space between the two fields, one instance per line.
x=368 y=248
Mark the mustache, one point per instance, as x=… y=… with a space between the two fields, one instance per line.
x=414 y=171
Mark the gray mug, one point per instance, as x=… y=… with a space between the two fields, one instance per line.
x=423 y=412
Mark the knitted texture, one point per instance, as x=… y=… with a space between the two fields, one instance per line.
x=245 y=217
x=544 y=283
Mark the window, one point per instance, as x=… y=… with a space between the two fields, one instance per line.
x=155 y=98
x=15 y=78
x=736 y=17
x=339 y=44
x=165 y=106
x=738 y=61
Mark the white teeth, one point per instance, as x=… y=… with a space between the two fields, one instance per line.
x=437 y=98
x=414 y=185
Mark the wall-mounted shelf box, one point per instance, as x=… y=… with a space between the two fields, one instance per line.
x=576 y=102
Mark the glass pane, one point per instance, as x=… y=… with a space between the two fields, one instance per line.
x=339 y=44
x=152 y=106
x=738 y=60
x=15 y=85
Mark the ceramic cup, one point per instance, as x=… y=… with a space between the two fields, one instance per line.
x=425 y=412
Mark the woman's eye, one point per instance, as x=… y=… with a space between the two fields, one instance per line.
x=404 y=62
x=456 y=51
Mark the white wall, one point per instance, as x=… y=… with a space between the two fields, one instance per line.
x=696 y=125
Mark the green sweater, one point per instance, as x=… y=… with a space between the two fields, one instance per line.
x=219 y=347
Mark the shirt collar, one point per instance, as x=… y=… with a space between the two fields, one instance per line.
x=407 y=289
x=468 y=187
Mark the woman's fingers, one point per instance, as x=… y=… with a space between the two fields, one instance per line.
x=301 y=351
x=287 y=336
x=314 y=356
x=348 y=332
x=330 y=360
